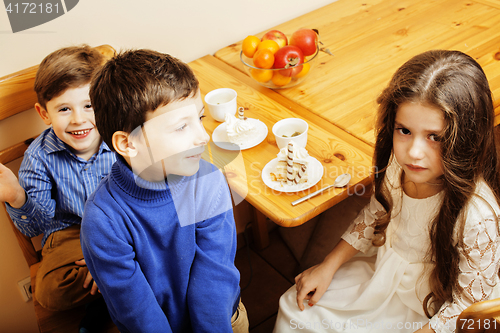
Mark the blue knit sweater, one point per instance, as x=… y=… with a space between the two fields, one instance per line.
x=156 y=275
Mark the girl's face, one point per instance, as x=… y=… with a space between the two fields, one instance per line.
x=417 y=148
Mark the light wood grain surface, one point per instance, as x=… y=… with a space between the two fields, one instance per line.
x=337 y=151
x=370 y=39
x=492 y=3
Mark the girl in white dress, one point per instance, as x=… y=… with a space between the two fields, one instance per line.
x=432 y=220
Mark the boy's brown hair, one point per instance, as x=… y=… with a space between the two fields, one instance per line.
x=69 y=67
x=134 y=83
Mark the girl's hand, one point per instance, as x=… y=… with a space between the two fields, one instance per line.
x=10 y=190
x=88 y=279
x=312 y=284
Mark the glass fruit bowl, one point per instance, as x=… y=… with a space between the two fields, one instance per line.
x=279 y=78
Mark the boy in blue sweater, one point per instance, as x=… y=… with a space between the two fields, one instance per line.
x=158 y=234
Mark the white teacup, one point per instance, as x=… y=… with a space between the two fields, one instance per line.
x=221 y=101
x=290 y=129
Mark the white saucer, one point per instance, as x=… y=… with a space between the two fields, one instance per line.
x=314 y=171
x=219 y=136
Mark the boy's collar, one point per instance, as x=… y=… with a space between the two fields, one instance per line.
x=103 y=147
x=171 y=182
x=129 y=177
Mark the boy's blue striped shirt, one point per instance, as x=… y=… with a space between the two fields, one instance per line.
x=57 y=183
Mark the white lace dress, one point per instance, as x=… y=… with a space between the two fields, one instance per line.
x=384 y=293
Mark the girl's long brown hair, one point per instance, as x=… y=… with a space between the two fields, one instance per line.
x=454 y=83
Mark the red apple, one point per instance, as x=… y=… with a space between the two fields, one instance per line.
x=290 y=57
x=306 y=40
x=277 y=36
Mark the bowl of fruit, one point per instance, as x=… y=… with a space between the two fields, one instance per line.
x=279 y=61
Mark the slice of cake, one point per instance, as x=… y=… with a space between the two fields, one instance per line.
x=240 y=130
x=292 y=165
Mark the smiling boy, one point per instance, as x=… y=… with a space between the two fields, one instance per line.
x=72 y=119
x=60 y=169
x=158 y=235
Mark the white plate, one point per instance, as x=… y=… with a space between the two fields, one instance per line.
x=314 y=171
x=219 y=136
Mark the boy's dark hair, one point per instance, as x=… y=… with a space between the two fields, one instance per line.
x=69 y=67
x=136 y=82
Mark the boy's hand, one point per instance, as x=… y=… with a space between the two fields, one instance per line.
x=10 y=190
x=89 y=279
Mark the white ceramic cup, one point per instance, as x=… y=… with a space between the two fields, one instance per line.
x=221 y=101
x=285 y=128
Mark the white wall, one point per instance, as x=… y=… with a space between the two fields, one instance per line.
x=187 y=29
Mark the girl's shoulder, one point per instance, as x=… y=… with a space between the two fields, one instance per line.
x=484 y=200
x=483 y=206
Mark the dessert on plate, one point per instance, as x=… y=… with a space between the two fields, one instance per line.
x=291 y=168
x=240 y=130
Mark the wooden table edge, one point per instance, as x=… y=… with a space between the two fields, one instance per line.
x=260 y=215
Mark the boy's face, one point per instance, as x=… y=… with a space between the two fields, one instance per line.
x=171 y=140
x=72 y=118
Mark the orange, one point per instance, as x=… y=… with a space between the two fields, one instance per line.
x=261 y=75
x=305 y=69
x=269 y=44
x=249 y=45
x=280 y=80
x=263 y=58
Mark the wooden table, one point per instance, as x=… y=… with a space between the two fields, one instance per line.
x=370 y=39
x=337 y=151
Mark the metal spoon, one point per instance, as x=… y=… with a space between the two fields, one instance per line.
x=340 y=181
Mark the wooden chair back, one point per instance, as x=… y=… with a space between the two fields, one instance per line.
x=17 y=95
x=480 y=317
